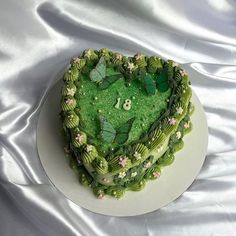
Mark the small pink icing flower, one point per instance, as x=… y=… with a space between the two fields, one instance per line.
x=79 y=137
x=156 y=174
x=119 y=56
x=76 y=60
x=123 y=161
x=147 y=165
x=69 y=101
x=138 y=56
x=187 y=125
x=183 y=72
x=70 y=91
x=172 y=121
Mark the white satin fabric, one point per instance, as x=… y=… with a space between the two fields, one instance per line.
x=37 y=38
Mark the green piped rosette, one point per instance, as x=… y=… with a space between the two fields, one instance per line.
x=112 y=147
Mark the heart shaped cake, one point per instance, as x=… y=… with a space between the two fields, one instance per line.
x=123 y=118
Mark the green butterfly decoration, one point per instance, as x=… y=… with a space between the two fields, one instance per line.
x=99 y=72
x=109 y=134
x=103 y=75
x=149 y=84
x=162 y=81
x=122 y=133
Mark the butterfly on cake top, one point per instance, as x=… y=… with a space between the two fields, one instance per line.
x=123 y=118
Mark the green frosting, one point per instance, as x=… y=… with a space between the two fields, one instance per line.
x=138 y=186
x=79 y=138
x=71 y=75
x=84 y=178
x=78 y=63
x=71 y=119
x=100 y=165
x=117 y=59
x=154 y=64
x=89 y=153
x=68 y=103
x=140 y=60
x=69 y=89
x=90 y=54
x=104 y=52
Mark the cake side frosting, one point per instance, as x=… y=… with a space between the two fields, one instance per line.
x=127 y=166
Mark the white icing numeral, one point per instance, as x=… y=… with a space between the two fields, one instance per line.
x=117 y=106
x=127 y=104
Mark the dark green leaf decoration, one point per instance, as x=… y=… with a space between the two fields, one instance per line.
x=122 y=133
x=109 y=80
x=162 y=81
x=108 y=133
x=149 y=84
x=99 y=72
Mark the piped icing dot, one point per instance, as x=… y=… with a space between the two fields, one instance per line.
x=105 y=180
x=134 y=174
x=123 y=161
x=172 y=121
x=179 y=110
x=178 y=134
x=122 y=175
x=137 y=155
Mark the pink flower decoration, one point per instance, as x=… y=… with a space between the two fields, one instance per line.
x=119 y=56
x=76 y=60
x=70 y=91
x=183 y=73
x=123 y=161
x=172 y=121
x=79 y=137
x=187 y=125
x=138 y=56
x=156 y=174
x=69 y=101
x=148 y=164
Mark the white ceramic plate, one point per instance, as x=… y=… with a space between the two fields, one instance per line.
x=175 y=179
